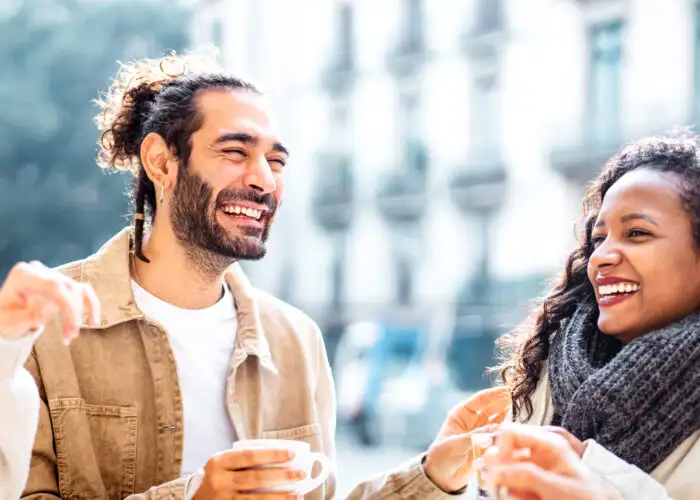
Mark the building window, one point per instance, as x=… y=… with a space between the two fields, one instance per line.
x=338 y=273
x=485 y=114
x=605 y=81
x=345 y=36
x=408 y=119
x=412 y=32
x=217 y=34
x=415 y=154
x=337 y=178
x=406 y=253
x=489 y=15
x=404 y=281
x=339 y=127
x=417 y=159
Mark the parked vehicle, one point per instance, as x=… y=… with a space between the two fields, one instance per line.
x=392 y=380
x=370 y=355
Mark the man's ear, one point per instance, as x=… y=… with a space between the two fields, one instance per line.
x=158 y=161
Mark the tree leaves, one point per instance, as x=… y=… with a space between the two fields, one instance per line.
x=56 y=205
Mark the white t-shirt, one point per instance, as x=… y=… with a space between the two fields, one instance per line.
x=203 y=341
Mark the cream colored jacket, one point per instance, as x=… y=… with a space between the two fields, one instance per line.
x=19 y=413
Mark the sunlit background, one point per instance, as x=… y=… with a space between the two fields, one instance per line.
x=440 y=149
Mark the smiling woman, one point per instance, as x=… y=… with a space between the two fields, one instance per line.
x=612 y=354
x=645 y=261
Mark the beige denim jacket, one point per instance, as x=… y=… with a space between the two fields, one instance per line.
x=111 y=422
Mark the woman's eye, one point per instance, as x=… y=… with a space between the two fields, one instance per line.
x=635 y=233
x=597 y=240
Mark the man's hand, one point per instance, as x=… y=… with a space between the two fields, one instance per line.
x=32 y=295
x=229 y=475
x=449 y=459
x=535 y=463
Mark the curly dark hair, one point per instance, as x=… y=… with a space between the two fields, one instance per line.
x=527 y=348
x=155 y=96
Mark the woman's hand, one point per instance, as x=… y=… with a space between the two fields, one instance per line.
x=577 y=445
x=32 y=295
x=449 y=459
x=536 y=463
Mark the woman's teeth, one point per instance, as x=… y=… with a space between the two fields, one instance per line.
x=617 y=288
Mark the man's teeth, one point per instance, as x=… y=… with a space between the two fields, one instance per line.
x=236 y=210
x=617 y=288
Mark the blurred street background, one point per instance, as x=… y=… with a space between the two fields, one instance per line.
x=440 y=149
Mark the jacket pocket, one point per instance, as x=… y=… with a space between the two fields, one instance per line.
x=302 y=433
x=95 y=448
x=310 y=433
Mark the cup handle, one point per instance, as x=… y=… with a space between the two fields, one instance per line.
x=308 y=485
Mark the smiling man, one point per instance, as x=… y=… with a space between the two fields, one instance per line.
x=187 y=357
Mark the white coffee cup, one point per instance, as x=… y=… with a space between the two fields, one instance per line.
x=303 y=460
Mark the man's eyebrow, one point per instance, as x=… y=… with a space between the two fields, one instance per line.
x=237 y=137
x=278 y=146
x=250 y=140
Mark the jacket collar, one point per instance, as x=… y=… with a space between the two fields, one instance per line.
x=108 y=272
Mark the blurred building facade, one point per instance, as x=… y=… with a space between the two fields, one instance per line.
x=440 y=148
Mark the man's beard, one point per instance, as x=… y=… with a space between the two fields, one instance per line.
x=208 y=244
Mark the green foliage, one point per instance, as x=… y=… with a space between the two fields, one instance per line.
x=56 y=205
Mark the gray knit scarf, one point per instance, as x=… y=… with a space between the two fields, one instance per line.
x=640 y=400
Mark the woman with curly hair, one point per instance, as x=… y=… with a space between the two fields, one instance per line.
x=612 y=356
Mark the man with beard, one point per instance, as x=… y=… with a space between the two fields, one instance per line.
x=187 y=357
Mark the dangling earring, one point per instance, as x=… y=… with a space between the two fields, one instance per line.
x=162 y=193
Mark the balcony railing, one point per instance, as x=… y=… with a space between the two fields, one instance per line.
x=406 y=59
x=480 y=184
x=580 y=155
x=402 y=193
x=401 y=197
x=339 y=76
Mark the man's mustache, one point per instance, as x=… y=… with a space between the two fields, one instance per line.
x=234 y=195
